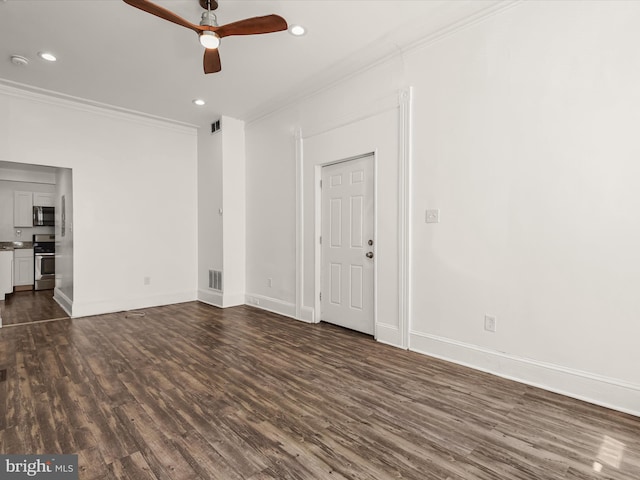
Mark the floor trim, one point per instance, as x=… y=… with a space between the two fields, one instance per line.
x=597 y=389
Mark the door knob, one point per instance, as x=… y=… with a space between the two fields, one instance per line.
x=369 y=254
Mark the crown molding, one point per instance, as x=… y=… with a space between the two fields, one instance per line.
x=41 y=95
x=339 y=75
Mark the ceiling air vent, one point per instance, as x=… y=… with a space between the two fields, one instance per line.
x=215 y=280
x=215 y=126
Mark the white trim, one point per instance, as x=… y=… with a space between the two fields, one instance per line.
x=85 y=309
x=323 y=83
x=65 y=302
x=404 y=215
x=233 y=299
x=317 y=247
x=221 y=300
x=389 y=327
x=210 y=298
x=307 y=314
x=311 y=313
x=17 y=90
x=299 y=224
x=273 y=305
x=597 y=389
x=389 y=102
x=400 y=105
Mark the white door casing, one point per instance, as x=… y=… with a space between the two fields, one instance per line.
x=347 y=249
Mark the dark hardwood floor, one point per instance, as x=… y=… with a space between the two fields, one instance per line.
x=30 y=306
x=189 y=391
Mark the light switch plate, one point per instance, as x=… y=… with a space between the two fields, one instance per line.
x=432 y=216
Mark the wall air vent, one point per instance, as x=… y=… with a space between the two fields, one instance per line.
x=215 y=126
x=215 y=280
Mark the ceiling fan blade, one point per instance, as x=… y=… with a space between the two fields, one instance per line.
x=212 y=60
x=253 y=26
x=163 y=13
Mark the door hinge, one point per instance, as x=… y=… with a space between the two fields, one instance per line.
x=320 y=295
x=320 y=183
x=320 y=240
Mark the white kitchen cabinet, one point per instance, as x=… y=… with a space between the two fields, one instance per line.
x=6 y=273
x=23 y=267
x=41 y=199
x=22 y=209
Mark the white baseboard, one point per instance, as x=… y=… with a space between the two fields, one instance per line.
x=597 y=389
x=388 y=334
x=86 y=309
x=273 y=305
x=233 y=299
x=221 y=300
x=211 y=298
x=65 y=302
x=307 y=314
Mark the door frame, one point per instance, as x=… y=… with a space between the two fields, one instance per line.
x=317 y=219
x=385 y=127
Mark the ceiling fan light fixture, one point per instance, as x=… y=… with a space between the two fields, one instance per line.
x=209 y=39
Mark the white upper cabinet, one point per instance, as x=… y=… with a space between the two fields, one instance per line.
x=43 y=199
x=22 y=209
x=23 y=203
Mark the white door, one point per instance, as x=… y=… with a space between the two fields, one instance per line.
x=347 y=244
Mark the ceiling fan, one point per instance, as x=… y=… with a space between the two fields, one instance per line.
x=208 y=30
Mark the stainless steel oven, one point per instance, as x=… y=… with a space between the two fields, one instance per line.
x=44 y=253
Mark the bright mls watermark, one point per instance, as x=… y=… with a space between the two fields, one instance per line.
x=43 y=467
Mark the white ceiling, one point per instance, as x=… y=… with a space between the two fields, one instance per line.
x=112 y=53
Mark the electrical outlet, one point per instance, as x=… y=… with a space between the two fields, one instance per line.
x=490 y=323
x=147 y=280
x=269 y=282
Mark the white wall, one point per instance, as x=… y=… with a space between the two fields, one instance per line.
x=209 y=205
x=271 y=212
x=234 y=211
x=134 y=197
x=524 y=138
x=222 y=233
x=530 y=153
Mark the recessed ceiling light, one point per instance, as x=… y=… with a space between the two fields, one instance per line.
x=297 y=30
x=199 y=102
x=49 y=57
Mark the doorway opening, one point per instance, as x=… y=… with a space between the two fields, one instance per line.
x=36 y=232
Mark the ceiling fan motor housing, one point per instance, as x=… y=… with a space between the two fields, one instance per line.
x=209 y=19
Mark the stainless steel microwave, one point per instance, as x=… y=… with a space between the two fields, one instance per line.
x=43 y=216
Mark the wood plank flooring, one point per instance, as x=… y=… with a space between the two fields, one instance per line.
x=30 y=306
x=189 y=391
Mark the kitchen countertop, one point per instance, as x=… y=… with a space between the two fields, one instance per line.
x=15 y=245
